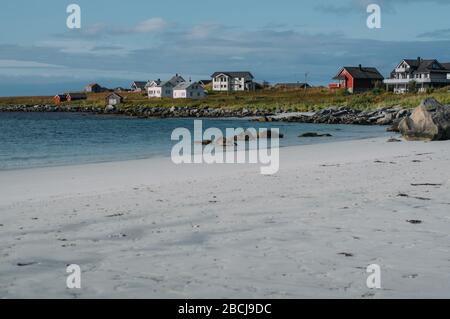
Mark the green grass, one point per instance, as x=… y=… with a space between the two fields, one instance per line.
x=271 y=100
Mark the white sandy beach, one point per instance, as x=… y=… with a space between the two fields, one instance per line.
x=150 y=229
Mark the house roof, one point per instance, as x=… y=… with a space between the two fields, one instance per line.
x=239 y=74
x=184 y=85
x=139 y=84
x=360 y=72
x=446 y=66
x=165 y=83
x=176 y=79
x=302 y=85
x=77 y=95
x=114 y=94
x=150 y=83
x=424 y=66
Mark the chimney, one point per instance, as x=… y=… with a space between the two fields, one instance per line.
x=360 y=67
x=419 y=59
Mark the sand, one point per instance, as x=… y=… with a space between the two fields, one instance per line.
x=151 y=229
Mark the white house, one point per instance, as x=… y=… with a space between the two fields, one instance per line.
x=138 y=86
x=158 y=89
x=233 y=81
x=426 y=74
x=188 y=90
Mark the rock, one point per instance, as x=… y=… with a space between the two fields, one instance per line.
x=204 y=142
x=395 y=126
x=312 y=134
x=386 y=119
x=392 y=140
x=110 y=109
x=244 y=136
x=265 y=119
x=402 y=114
x=270 y=134
x=223 y=141
x=429 y=121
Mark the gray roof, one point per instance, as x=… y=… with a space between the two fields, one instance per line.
x=360 y=72
x=184 y=85
x=446 y=66
x=176 y=79
x=139 y=84
x=239 y=74
x=151 y=81
x=115 y=95
x=164 y=83
x=425 y=66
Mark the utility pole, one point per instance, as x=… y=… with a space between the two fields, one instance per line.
x=306 y=80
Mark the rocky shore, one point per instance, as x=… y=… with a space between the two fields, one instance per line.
x=141 y=111
x=344 y=115
x=331 y=115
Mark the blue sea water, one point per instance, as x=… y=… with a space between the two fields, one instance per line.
x=52 y=139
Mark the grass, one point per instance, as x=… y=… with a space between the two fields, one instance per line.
x=270 y=100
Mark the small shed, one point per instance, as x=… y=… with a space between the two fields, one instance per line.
x=113 y=99
x=60 y=98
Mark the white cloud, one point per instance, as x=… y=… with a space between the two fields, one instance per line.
x=151 y=25
x=10 y=64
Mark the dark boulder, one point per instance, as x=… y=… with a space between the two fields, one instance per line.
x=312 y=134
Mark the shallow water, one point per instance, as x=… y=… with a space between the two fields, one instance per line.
x=52 y=139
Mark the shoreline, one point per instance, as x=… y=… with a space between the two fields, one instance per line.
x=161 y=156
x=288 y=141
x=136 y=231
x=330 y=115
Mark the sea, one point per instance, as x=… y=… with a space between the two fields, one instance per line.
x=29 y=140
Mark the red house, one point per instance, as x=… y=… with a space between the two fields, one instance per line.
x=60 y=98
x=357 y=79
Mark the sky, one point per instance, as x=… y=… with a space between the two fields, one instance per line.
x=278 y=41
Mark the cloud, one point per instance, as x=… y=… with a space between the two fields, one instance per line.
x=273 y=55
x=19 y=64
x=101 y=30
x=436 y=34
x=359 y=6
x=151 y=25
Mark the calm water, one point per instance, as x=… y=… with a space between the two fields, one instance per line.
x=50 y=139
